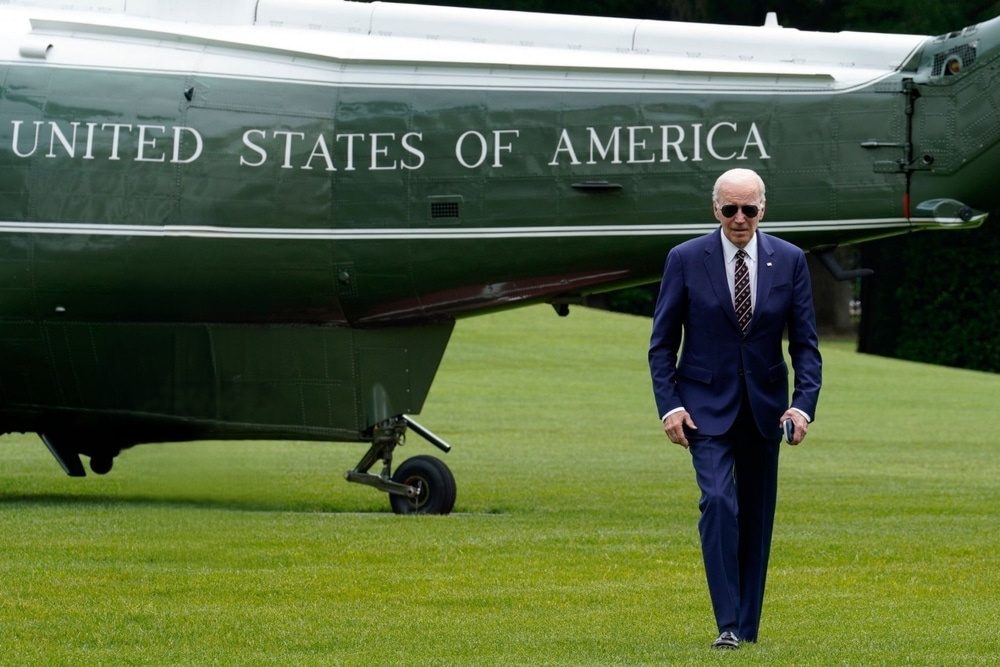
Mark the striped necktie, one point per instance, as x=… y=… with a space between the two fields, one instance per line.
x=744 y=308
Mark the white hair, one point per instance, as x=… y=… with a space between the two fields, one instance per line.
x=738 y=176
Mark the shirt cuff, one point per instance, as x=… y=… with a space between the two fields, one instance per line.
x=804 y=414
x=664 y=417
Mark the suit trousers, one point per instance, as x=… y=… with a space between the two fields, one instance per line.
x=737 y=473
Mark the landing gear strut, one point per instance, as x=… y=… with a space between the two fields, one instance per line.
x=67 y=452
x=421 y=485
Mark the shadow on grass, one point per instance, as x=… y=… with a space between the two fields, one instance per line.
x=109 y=501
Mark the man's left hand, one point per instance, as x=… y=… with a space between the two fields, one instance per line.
x=801 y=425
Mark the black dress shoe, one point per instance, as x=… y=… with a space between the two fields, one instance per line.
x=727 y=640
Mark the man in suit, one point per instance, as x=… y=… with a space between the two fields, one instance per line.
x=721 y=386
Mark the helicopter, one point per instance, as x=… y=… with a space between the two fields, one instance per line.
x=261 y=219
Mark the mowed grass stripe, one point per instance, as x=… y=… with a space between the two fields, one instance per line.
x=574 y=539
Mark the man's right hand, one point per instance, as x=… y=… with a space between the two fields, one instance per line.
x=674 y=425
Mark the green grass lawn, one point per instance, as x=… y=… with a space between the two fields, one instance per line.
x=573 y=541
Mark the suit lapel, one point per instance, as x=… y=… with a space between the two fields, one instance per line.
x=765 y=273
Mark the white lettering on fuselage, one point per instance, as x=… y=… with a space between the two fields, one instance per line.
x=152 y=141
x=384 y=152
x=309 y=150
x=480 y=144
x=676 y=142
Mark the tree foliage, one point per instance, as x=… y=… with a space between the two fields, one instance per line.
x=929 y=17
x=935 y=298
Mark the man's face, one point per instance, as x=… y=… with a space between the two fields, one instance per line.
x=739 y=227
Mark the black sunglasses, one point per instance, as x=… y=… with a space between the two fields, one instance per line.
x=749 y=210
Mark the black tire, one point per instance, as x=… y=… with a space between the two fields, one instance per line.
x=436 y=484
x=101 y=465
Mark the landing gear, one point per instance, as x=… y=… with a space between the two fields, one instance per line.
x=421 y=485
x=67 y=451
x=433 y=481
x=67 y=456
x=101 y=465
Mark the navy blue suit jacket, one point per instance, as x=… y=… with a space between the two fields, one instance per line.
x=707 y=375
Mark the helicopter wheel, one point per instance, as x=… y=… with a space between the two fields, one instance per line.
x=435 y=487
x=101 y=465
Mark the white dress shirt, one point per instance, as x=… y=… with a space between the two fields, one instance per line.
x=729 y=250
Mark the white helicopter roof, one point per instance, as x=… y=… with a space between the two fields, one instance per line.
x=381 y=32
